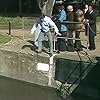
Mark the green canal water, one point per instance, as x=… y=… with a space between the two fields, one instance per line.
x=11 y=89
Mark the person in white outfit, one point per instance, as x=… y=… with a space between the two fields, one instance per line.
x=45 y=25
x=36 y=29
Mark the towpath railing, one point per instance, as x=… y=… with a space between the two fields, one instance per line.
x=69 y=22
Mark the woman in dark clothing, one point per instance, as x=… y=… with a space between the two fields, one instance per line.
x=62 y=27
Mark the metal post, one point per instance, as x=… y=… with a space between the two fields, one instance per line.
x=54 y=47
x=22 y=22
x=23 y=26
x=87 y=35
x=9 y=28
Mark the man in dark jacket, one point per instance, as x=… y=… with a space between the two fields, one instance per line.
x=91 y=32
x=70 y=17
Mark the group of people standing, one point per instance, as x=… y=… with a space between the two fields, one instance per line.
x=77 y=20
x=63 y=25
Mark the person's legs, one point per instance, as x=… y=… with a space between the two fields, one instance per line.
x=92 y=42
x=37 y=32
x=70 y=44
x=49 y=34
x=58 y=44
x=62 y=42
x=40 y=39
x=78 y=44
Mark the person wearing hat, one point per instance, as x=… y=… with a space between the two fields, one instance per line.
x=62 y=27
x=70 y=17
x=79 y=17
x=91 y=20
x=45 y=24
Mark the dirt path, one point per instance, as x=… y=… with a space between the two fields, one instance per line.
x=21 y=37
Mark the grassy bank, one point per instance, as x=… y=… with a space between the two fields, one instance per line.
x=18 y=22
x=4 y=38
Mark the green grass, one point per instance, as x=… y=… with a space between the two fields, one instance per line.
x=4 y=38
x=17 y=21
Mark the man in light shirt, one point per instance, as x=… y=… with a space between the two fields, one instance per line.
x=46 y=25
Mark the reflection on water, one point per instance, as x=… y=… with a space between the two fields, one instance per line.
x=11 y=89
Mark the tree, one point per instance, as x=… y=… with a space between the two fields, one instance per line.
x=46 y=6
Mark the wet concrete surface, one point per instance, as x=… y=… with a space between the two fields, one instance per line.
x=11 y=89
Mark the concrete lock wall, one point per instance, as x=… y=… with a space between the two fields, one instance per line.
x=26 y=67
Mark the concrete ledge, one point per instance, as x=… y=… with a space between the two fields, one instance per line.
x=31 y=67
x=23 y=66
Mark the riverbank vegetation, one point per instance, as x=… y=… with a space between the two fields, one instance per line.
x=21 y=22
